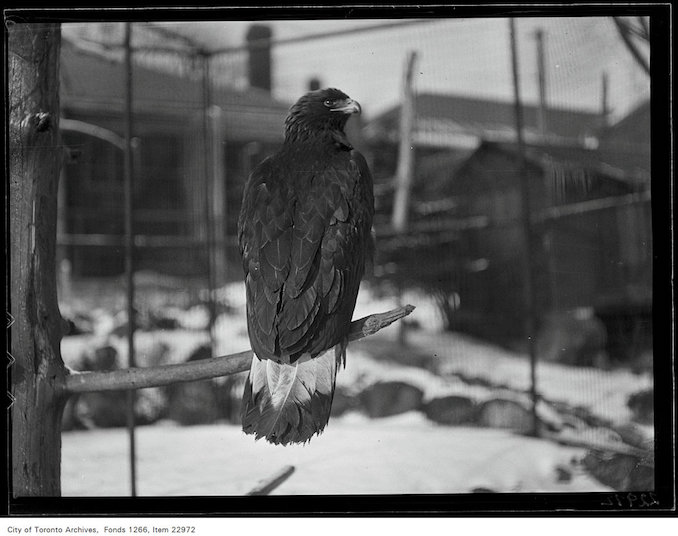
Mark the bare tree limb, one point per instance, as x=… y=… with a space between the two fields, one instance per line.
x=645 y=29
x=139 y=378
x=624 y=32
x=598 y=446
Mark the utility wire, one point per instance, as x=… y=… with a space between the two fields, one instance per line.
x=262 y=43
x=257 y=43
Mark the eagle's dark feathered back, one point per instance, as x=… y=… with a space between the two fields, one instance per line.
x=304 y=229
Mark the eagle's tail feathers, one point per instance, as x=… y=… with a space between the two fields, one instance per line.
x=340 y=352
x=289 y=403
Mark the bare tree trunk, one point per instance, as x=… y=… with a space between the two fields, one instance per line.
x=38 y=373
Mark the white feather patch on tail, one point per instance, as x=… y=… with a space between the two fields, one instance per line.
x=280 y=380
x=289 y=403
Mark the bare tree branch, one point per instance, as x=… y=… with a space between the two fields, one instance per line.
x=624 y=33
x=645 y=29
x=139 y=378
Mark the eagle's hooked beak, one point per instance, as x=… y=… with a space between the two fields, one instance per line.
x=349 y=106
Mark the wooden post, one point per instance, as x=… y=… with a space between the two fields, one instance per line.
x=218 y=195
x=541 y=81
x=405 y=151
x=548 y=239
x=37 y=373
x=604 y=106
x=208 y=169
x=405 y=170
x=129 y=249
x=528 y=275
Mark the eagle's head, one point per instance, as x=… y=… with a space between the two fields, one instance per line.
x=320 y=110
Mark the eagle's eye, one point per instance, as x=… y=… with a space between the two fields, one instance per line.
x=329 y=103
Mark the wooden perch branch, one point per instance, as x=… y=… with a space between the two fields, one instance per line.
x=139 y=378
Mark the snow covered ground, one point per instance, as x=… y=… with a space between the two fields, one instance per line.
x=603 y=392
x=401 y=454
x=355 y=455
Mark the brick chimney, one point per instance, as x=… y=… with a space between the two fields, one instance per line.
x=259 y=61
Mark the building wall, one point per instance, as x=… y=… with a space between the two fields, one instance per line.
x=581 y=260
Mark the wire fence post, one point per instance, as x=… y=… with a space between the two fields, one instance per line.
x=548 y=234
x=209 y=193
x=219 y=200
x=528 y=275
x=129 y=250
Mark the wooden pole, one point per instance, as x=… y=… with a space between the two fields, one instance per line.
x=541 y=81
x=405 y=150
x=528 y=276
x=405 y=170
x=604 y=106
x=548 y=239
x=219 y=202
x=209 y=194
x=129 y=250
x=37 y=373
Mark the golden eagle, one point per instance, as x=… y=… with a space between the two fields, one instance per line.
x=304 y=235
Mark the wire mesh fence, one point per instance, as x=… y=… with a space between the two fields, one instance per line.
x=209 y=105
